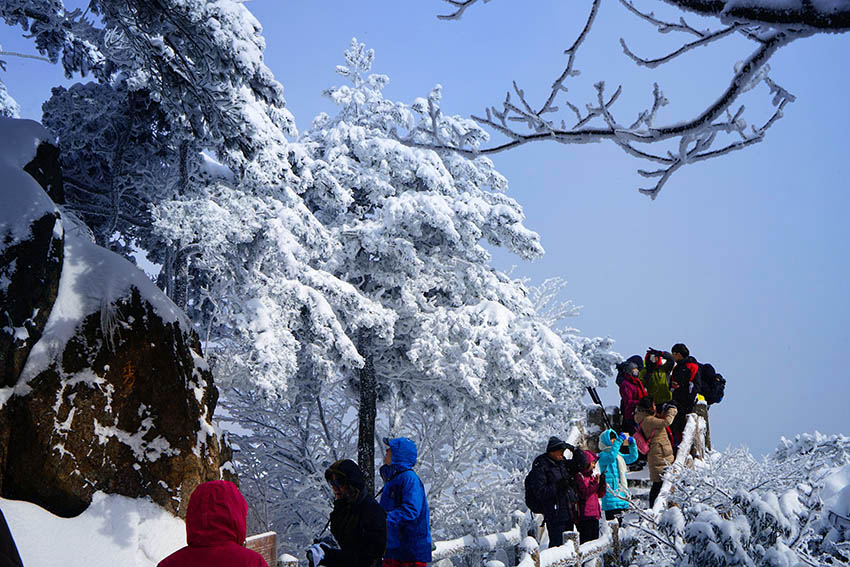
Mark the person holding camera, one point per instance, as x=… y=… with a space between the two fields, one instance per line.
x=590 y=487
x=552 y=480
x=655 y=429
x=358 y=523
x=656 y=375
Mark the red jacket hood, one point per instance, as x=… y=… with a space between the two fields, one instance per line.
x=217 y=514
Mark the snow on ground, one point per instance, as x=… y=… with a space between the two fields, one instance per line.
x=114 y=530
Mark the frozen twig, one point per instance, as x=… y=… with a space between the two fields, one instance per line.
x=460 y=7
x=704 y=40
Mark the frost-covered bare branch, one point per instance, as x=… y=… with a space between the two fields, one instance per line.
x=460 y=6
x=519 y=121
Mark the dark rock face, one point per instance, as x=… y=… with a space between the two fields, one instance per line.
x=32 y=269
x=124 y=405
x=124 y=420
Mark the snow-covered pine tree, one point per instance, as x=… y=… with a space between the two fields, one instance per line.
x=470 y=359
x=177 y=79
x=412 y=224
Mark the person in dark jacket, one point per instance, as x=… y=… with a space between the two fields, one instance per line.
x=408 y=518
x=216 y=524
x=9 y=556
x=685 y=384
x=553 y=483
x=358 y=523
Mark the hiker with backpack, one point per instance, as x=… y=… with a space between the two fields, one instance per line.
x=550 y=488
x=590 y=487
x=656 y=375
x=408 y=518
x=685 y=382
x=613 y=465
x=655 y=428
x=712 y=384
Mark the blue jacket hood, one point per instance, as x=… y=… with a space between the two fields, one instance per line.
x=605 y=439
x=404 y=452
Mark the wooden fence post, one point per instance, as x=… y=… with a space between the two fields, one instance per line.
x=265 y=544
x=614 y=553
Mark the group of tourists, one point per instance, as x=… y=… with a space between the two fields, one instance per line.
x=393 y=533
x=657 y=392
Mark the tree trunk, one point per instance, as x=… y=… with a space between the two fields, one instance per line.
x=366 y=430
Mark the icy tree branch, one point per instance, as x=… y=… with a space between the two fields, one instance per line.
x=519 y=121
x=704 y=40
x=460 y=7
x=696 y=139
x=835 y=17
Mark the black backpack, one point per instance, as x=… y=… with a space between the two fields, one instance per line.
x=531 y=500
x=712 y=384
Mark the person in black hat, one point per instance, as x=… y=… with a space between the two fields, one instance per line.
x=358 y=522
x=552 y=479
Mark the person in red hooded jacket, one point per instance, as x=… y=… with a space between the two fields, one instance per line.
x=215 y=530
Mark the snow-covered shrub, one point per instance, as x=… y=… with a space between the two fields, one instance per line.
x=732 y=509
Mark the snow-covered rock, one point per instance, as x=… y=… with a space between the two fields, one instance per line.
x=105 y=389
x=31 y=236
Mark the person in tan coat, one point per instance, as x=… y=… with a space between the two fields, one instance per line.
x=654 y=429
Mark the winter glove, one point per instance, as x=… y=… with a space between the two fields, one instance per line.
x=315 y=554
x=621 y=436
x=631 y=440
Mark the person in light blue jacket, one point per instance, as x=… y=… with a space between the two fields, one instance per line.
x=613 y=465
x=408 y=518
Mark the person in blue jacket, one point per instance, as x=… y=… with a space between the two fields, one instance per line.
x=408 y=518
x=613 y=466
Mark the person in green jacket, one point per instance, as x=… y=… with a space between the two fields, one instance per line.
x=656 y=375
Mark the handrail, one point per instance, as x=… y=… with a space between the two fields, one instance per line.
x=483 y=544
x=693 y=437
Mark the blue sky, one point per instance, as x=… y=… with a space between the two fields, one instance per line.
x=743 y=258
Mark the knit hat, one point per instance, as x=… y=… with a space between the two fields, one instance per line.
x=555 y=444
x=630 y=366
